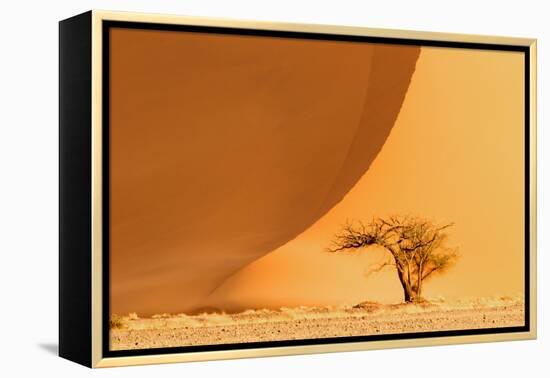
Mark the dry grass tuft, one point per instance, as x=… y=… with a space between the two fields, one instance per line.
x=117 y=322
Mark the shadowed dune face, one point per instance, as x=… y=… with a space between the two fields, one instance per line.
x=224 y=148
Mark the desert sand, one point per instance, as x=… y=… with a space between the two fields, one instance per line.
x=368 y=318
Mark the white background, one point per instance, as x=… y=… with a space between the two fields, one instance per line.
x=29 y=189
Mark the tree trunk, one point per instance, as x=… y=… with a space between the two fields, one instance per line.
x=409 y=294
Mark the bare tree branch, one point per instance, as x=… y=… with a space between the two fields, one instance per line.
x=416 y=245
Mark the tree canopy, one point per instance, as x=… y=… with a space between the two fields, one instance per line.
x=417 y=246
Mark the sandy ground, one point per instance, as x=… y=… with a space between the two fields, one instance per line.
x=132 y=332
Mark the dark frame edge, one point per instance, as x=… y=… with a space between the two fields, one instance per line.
x=75 y=177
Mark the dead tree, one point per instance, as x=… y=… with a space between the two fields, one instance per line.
x=416 y=245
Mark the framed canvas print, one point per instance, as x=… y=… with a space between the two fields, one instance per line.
x=237 y=188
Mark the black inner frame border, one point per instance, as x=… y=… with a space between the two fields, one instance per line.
x=107 y=25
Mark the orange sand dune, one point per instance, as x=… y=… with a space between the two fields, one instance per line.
x=224 y=148
x=455 y=154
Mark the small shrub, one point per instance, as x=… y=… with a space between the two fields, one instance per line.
x=116 y=322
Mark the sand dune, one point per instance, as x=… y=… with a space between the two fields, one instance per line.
x=454 y=155
x=220 y=155
x=227 y=186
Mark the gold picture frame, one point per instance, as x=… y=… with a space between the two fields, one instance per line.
x=83 y=291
